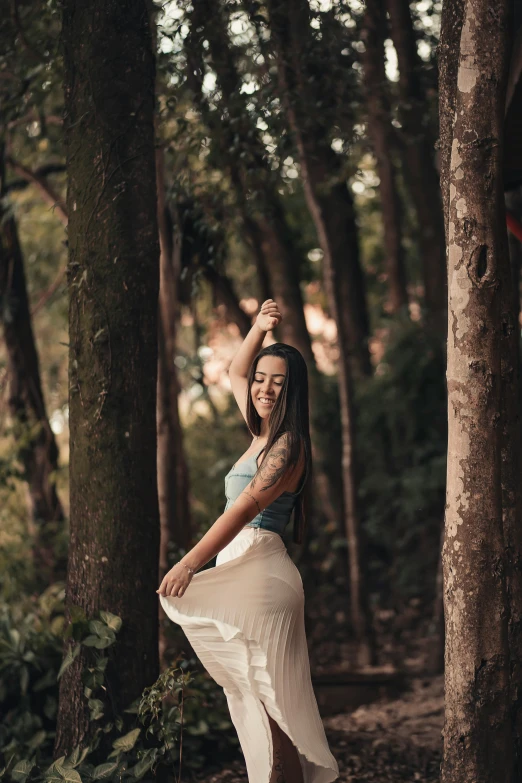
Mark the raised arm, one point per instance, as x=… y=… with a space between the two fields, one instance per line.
x=267 y=319
x=275 y=476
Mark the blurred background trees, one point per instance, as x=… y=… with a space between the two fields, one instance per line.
x=297 y=158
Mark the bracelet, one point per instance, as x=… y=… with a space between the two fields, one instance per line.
x=191 y=570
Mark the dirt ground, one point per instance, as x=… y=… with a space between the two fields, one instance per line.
x=384 y=742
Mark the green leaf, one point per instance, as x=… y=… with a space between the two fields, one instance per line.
x=69 y=775
x=21 y=770
x=90 y=641
x=105 y=770
x=71 y=654
x=101 y=630
x=77 y=613
x=93 y=680
x=96 y=708
x=101 y=664
x=51 y=773
x=74 y=759
x=128 y=741
x=37 y=739
x=112 y=620
x=144 y=764
x=96 y=641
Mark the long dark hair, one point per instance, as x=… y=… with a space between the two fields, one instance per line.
x=289 y=415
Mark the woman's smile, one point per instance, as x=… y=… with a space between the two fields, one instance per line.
x=269 y=401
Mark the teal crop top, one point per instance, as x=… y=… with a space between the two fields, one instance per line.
x=274 y=517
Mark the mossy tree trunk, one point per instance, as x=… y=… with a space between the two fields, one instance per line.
x=113 y=276
x=478 y=743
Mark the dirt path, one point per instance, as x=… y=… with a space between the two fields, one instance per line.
x=384 y=742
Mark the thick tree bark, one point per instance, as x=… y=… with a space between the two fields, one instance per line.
x=419 y=161
x=328 y=198
x=39 y=453
x=448 y=63
x=114 y=283
x=477 y=733
x=381 y=136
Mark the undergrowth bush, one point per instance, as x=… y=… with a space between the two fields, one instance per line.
x=401 y=426
x=181 y=719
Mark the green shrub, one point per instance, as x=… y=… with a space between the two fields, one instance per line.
x=401 y=426
x=182 y=715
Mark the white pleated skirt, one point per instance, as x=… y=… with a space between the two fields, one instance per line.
x=245 y=620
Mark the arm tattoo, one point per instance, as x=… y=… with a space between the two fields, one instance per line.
x=275 y=464
x=253 y=498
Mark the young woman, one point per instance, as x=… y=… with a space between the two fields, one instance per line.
x=245 y=617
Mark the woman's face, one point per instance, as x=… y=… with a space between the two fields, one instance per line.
x=267 y=384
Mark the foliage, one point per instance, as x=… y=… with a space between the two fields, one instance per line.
x=401 y=448
x=182 y=714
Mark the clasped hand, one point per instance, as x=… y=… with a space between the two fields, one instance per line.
x=175 y=582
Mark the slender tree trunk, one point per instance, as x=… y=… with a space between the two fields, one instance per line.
x=328 y=198
x=225 y=294
x=265 y=223
x=477 y=733
x=381 y=137
x=359 y=608
x=39 y=453
x=173 y=481
x=114 y=283
x=419 y=161
x=332 y=210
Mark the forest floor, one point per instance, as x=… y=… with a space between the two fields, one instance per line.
x=387 y=741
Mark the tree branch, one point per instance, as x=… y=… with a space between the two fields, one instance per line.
x=39 y=180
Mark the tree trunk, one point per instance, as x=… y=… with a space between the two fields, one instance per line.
x=419 y=161
x=477 y=733
x=381 y=137
x=114 y=282
x=39 y=452
x=266 y=228
x=328 y=198
x=224 y=294
x=332 y=210
x=173 y=479
x=514 y=204
x=264 y=221
x=435 y=660
x=448 y=63
x=511 y=465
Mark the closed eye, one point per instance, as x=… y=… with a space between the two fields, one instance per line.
x=260 y=380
